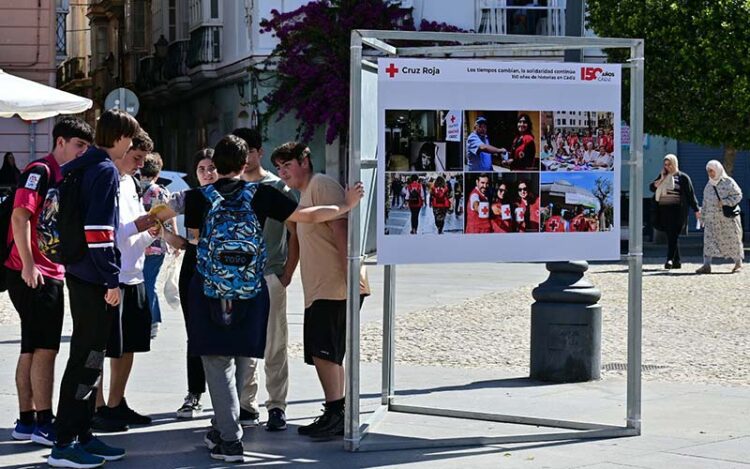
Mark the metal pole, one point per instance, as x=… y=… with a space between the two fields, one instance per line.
x=32 y=141
x=351 y=417
x=389 y=309
x=635 y=256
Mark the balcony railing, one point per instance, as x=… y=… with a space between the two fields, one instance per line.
x=177 y=56
x=205 y=46
x=527 y=17
x=150 y=73
x=75 y=68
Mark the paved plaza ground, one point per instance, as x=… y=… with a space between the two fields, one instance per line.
x=462 y=343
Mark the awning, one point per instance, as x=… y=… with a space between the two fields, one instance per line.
x=33 y=101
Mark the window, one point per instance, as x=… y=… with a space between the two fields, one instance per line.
x=172 y=19
x=139 y=24
x=101 y=46
x=214 y=9
x=525 y=17
x=216 y=39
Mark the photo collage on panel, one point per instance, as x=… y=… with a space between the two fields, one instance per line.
x=498 y=171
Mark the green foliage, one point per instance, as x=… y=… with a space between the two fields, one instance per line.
x=697 y=68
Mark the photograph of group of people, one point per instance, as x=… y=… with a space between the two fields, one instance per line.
x=416 y=140
x=577 y=202
x=577 y=141
x=501 y=141
x=424 y=203
x=502 y=203
x=485 y=172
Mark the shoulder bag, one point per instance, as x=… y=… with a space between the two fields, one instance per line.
x=729 y=211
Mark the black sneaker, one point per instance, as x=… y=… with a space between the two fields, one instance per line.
x=334 y=429
x=128 y=415
x=320 y=421
x=229 y=451
x=677 y=265
x=249 y=418
x=104 y=421
x=276 y=420
x=212 y=438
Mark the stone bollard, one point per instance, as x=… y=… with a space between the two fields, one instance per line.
x=566 y=326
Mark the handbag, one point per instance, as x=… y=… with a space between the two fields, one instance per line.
x=729 y=211
x=171 y=280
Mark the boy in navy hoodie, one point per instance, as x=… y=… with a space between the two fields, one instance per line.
x=94 y=293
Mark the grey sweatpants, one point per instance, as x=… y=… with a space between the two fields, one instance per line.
x=225 y=377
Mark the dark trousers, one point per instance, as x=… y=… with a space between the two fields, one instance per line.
x=195 y=374
x=92 y=322
x=670 y=217
x=415 y=217
x=439 y=218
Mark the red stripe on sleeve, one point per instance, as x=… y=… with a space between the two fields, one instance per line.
x=99 y=236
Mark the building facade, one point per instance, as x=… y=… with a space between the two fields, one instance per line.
x=194 y=63
x=194 y=66
x=29 y=48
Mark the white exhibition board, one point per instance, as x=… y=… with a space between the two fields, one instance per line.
x=530 y=153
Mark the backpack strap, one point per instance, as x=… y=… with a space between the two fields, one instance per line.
x=213 y=196
x=249 y=193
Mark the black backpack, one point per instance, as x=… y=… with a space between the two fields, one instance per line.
x=73 y=246
x=6 y=211
x=414 y=196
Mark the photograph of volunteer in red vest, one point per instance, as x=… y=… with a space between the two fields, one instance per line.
x=514 y=203
x=514 y=135
x=429 y=203
x=478 y=203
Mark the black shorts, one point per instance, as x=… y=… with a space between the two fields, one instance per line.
x=131 y=329
x=41 y=311
x=324 y=331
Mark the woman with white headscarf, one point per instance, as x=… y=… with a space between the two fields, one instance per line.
x=723 y=235
x=673 y=196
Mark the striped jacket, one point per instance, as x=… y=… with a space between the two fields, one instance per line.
x=100 y=189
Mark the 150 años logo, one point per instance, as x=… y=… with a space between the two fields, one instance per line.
x=595 y=73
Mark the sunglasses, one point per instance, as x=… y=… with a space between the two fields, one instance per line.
x=522 y=189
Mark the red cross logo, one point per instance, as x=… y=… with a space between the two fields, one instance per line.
x=391 y=70
x=553 y=225
x=485 y=210
x=506 y=212
x=453 y=119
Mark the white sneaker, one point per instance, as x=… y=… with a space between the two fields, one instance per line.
x=154 y=330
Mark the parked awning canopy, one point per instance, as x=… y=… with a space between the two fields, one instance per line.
x=33 y=101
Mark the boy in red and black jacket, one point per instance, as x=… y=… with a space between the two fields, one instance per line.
x=93 y=287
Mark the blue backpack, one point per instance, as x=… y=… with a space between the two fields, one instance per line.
x=231 y=251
